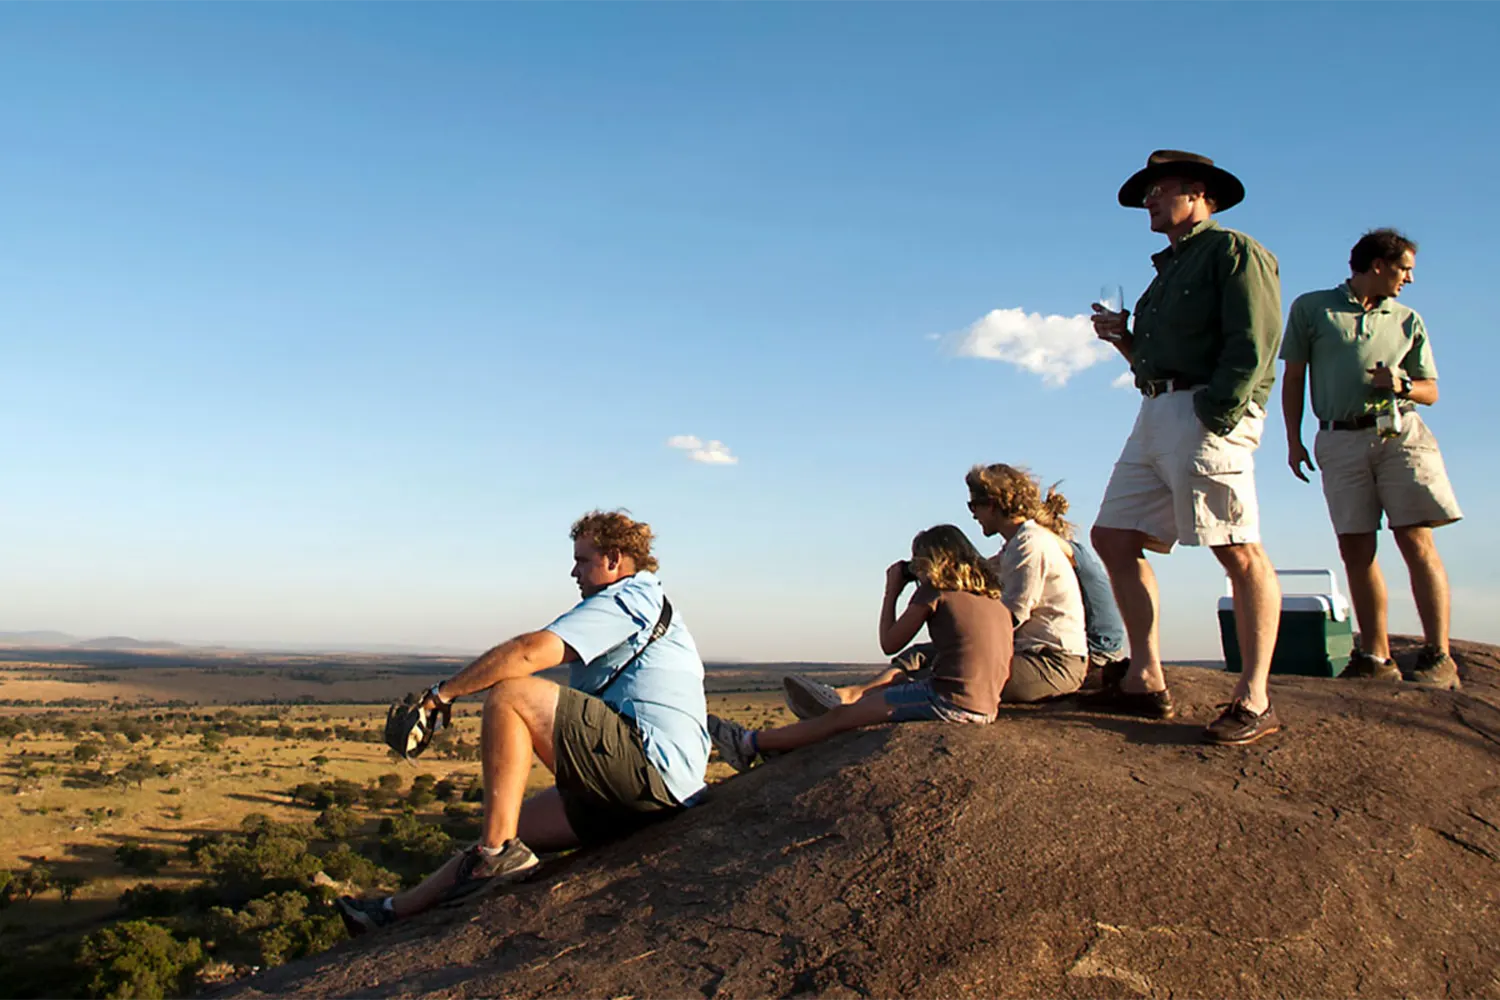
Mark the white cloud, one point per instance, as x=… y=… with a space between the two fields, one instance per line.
x=1124 y=380
x=711 y=453
x=1054 y=347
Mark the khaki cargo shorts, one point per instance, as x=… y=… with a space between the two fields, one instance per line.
x=1403 y=477
x=1176 y=481
x=608 y=787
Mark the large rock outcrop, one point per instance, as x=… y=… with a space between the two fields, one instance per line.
x=1055 y=853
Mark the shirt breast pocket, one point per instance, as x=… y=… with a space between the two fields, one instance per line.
x=1194 y=308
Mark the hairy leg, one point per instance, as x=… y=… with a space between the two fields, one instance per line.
x=1429 y=582
x=1130 y=576
x=1366 y=592
x=1257 y=617
x=517 y=721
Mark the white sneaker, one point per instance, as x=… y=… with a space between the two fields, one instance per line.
x=808 y=698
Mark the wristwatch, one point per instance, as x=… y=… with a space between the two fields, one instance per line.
x=433 y=692
x=1405 y=389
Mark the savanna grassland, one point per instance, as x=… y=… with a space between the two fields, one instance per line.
x=171 y=820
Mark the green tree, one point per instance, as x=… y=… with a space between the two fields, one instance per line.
x=274 y=929
x=337 y=822
x=68 y=886
x=88 y=750
x=137 y=958
x=133 y=857
x=213 y=741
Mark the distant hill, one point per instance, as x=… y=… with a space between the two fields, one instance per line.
x=24 y=640
x=124 y=643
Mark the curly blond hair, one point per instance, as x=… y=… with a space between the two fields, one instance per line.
x=1015 y=492
x=614 y=533
x=946 y=559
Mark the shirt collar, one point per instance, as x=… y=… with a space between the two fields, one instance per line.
x=1383 y=306
x=1163 y=256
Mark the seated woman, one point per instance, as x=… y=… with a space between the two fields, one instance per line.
x=958 y=599
x=1037 y=580
x=998 y=496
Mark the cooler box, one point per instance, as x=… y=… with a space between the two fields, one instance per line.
x=1316 y=635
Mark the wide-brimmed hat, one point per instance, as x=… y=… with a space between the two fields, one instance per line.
x=1222 y=186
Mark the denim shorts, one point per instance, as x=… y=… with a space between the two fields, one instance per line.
x=918 y=702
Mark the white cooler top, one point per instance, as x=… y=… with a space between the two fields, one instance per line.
x=1298 y=595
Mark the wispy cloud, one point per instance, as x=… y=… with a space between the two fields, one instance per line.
x=1054 y=347
x=1124 y=380
x=709 y=453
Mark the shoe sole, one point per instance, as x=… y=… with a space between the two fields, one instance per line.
x=480 y=886
x=356 y=922
x=1095 y=701
x=801 y=700
x=1243 y=741
x=1453 y=685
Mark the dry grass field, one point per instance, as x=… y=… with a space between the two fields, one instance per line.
x=74 y=827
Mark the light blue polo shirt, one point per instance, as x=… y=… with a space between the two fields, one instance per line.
x=662 y=691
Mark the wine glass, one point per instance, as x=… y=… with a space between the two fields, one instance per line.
x=1111 y=299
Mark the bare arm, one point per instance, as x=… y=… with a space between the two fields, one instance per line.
x=522 y=656
x=897 y=633
x=1293 y=394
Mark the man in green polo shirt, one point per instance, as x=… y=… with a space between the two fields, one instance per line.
x=1359 y=345
x=1203 y=351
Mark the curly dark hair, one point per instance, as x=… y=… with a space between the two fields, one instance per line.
x=614 y=533
x=1379 y=244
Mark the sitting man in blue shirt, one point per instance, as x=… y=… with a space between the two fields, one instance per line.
x=627 y=739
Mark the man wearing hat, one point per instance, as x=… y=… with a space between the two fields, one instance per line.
x=1203 y=351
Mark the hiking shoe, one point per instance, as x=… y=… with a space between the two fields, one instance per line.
x=1237 y=725
x=807 y=698
x=478 y=870
x=363 y=915
x=1364 y=666
x=729 y=740
x=1147 y=704
x=1435 y=669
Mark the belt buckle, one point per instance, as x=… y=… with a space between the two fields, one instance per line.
x=1153 y=388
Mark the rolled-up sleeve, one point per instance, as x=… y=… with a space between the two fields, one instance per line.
x=1251 y=324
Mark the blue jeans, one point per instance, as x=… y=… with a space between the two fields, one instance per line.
x=918 y=702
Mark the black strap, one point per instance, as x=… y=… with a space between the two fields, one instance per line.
x=663 y=622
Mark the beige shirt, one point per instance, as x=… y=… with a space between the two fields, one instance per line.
x=1039 y=586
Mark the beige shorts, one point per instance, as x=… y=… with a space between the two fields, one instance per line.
x=1176 y=481
x=1404 y=477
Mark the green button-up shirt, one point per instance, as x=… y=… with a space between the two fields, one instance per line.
x=1212 y=315
x=1340 y=340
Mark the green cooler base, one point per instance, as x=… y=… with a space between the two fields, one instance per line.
x=1309 y=643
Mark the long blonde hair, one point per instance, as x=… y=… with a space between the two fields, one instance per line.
x=1017 y=493
x=945 y=558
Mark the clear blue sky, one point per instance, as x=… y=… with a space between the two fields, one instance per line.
x=323 y=322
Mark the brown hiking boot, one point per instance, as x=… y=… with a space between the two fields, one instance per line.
x=1237 y=725
x=1435 y=669
x=1366 y=667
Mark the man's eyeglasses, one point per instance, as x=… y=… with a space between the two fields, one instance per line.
x=975 y=505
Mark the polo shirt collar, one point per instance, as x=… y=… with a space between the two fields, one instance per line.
x=1383 y=306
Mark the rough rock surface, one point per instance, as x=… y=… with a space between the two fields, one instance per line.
x=1055 y=853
